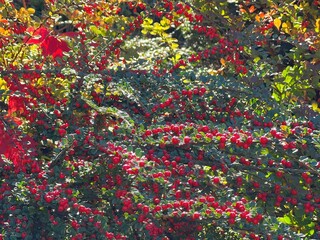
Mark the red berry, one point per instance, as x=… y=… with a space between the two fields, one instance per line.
x=62 y=132
x=216 y=180
x=116 y=160
x=196 y=215
x=156 y=200
x=187 y=139
x=263 y=140
x=233 y=159
x=178 y=194
x=175 y=140
x=145 y=209
x=48 y=198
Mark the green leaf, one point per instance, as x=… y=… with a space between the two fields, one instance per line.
x=111 y=111
x=186 y=81
x=264 y=151
x=256 y=59
x=98 y=31
x=138 y=152
x=286 y=220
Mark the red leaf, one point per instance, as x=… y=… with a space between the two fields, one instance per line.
x=38 y=35
x=15 y=104
x=3 y=142
x=54 y=47
x=50 y=45
x=3 y=146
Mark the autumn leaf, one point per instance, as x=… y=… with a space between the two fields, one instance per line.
x=50 y=45
x=4 y=32
x=3 y=140
x=15 y=105
x=317 y=28
x=38 y=35
x=223 y=61
x=259 y=17
x=277 y=23
x=286 y=27
x=54 y=47
x=252 y=9
x=24 y=15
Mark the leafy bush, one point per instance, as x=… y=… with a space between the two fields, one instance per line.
x=165 y=120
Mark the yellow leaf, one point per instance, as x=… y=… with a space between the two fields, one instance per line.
x=98 y=88
x=23 y=15
x=315 y=107
x=286 y=27
x=174 y=45
x=3 y=84
x=216 y=72
x=40 y=82
x=165 y=35
x=186 y=81
x=165 y=22
x=213 y=72
x=4 y=32
x=144 y=31
x=157 y=26
x=317 y=28
x=277 y=23
x=31 y=11
x=147 y=21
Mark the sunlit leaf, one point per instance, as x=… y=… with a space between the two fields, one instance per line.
x=277 y=23
x=315 y=107
x=317 y=26
x=286 y=220
x=260 y=16
x=286 y=27
x=165 y=22
x=98 y=31
x=147 y=21
x=4 y=32
x=31 y=11
x=252 y=9
x=223 y=61
x=174 y=45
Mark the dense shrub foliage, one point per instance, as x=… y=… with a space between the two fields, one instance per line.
x=159 y=119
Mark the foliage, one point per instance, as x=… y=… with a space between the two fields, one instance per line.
x=159 y=120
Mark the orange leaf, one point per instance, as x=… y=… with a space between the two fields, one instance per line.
x=242 y=10
x=260 y=16
x=223 y=62
x=4 y=21
x=257 y=17
x=252 y=9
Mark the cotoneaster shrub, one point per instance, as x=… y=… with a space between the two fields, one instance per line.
x=145 y=121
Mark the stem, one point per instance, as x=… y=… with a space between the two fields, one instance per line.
x=24 y=4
